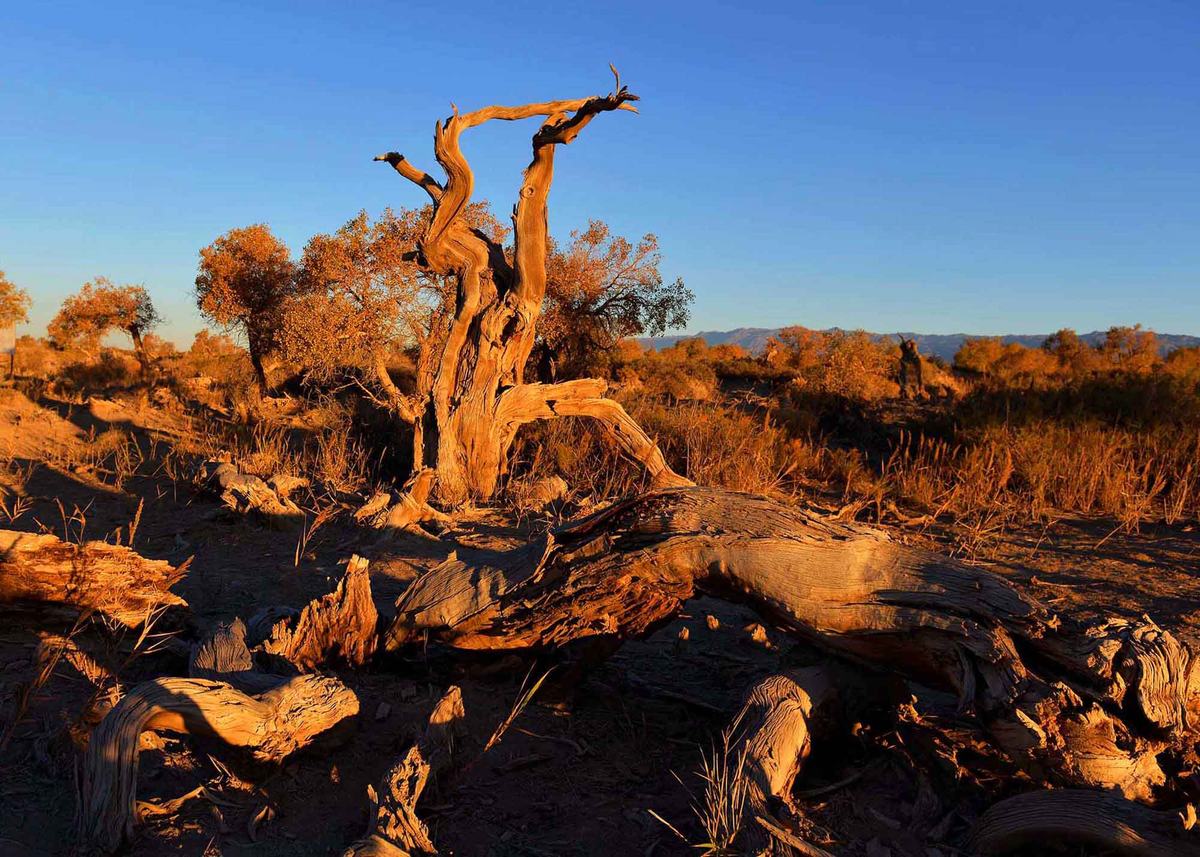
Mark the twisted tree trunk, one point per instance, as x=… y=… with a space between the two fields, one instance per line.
x=473 y=399
x=1071 y=703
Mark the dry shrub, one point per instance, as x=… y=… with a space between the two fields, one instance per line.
x=112 y=370
x=712 y=443
x=35 y=358
x=1044 y=468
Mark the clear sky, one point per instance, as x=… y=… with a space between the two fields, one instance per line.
x=947 y=166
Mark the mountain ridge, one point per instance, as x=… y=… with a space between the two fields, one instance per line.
x=942 y=345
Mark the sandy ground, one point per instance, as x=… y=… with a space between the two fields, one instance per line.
x=578 y=773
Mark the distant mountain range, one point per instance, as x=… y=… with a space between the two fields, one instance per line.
x=943 y=345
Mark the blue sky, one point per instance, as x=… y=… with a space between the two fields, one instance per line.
x=941 y=167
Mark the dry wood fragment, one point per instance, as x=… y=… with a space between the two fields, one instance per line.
x=245 y=492
x=1100 y=819
x=95 y=576
x=269 y=726
x=775 y=729
x=395 y=827
x=340 y=626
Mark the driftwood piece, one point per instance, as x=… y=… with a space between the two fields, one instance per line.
x=410 y=508
x=269 y=726
x=110 y=579
x=1099 y=819
x=775 y=730
x=245 y=492
x=340 y=626
x=396 y=830
x=1071 y=703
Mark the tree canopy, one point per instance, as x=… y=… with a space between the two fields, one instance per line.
x=601 y=288
x=244 y=279
x=14 y=303
x=100 y=307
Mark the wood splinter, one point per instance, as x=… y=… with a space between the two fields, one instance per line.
x=395 y=829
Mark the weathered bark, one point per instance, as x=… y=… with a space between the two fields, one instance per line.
x=475 y=398
x=94 y=576
x=269 y=726
x=410 y=509
x=340 y=626
x=245 y=492
x=1075 y=704
x=1099 y=819
x=396 y=831
x=775 y=729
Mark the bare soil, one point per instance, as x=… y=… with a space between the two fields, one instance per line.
x=580 y=770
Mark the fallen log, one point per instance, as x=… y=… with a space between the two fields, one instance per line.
x=1100 y=819
x=93 y=576
x=269 y=726
x=1076 y=704
x=395 y=829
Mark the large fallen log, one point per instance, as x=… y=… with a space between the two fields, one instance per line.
x=93 y=576
x=1071 y=703
x=269 y=726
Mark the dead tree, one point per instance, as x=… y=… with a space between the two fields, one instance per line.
x=94 y=576
x=1073 y=704
x=471 y=395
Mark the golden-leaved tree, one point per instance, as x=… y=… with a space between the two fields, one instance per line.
x=14 y=303
x=362 y=299
x=246 y=277
x=101 y=307
x=602 y=288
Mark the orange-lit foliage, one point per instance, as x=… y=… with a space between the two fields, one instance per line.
x=601 y=288
x=1130 y=349
x=14 y=303
x=850 y=364
x=362 y=297
x=245 y=277
x=100 y=307
x=1184 y=363
x=1064 y=357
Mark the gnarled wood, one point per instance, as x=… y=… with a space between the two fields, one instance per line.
x=245 y=492
x=270 y=726
x=339 y=626
x=110 y=579
x=395 y=828
x=1034 y=679
x=473 y=397
x=1099 y=819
